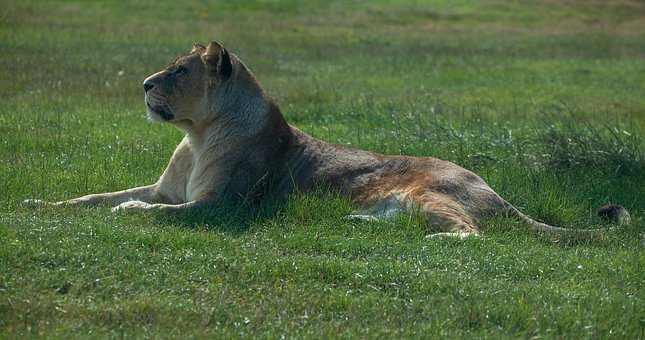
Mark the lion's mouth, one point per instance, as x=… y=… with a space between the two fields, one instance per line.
x=161 y=111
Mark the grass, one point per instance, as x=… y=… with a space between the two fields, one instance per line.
x=543 y=99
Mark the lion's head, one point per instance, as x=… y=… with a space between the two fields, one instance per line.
x=186 y=90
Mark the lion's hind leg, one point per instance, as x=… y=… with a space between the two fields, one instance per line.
x=385 y=209
x=442 y=213
x=445 y=214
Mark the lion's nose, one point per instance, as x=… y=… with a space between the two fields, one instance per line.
x=147 y=86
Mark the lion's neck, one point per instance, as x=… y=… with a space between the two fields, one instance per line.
x=243 y=106
x=234 y=126
x=239 y=111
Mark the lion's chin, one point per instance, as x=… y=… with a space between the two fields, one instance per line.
x=155 y=117
x=159 y=115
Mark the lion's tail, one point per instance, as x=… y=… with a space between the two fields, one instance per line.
x=546 y=228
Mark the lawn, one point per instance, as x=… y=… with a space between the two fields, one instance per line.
x=544 y=99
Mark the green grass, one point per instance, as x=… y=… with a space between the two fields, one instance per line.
x=545 y=100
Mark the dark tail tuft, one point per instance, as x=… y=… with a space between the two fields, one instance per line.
x=614 y=213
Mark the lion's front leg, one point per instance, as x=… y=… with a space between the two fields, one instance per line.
x=213 y=176
x=133 y=206
x=148 y=193
x=168 y=189
x=210 y=190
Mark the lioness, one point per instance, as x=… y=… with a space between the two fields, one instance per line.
x=239 y=146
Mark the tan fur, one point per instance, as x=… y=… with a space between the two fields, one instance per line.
x=239 y=147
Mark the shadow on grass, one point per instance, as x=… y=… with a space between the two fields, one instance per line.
x=231 y=217
x=299 y=208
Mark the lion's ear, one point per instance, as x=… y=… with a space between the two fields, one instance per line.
x=198 y=48
x=218 y=60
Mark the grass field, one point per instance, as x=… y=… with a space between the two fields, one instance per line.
x=544 y=99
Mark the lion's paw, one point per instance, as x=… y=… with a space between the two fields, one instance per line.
x=33 y=202
x=132 y=205
x=359 y=217
x=458 y=235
